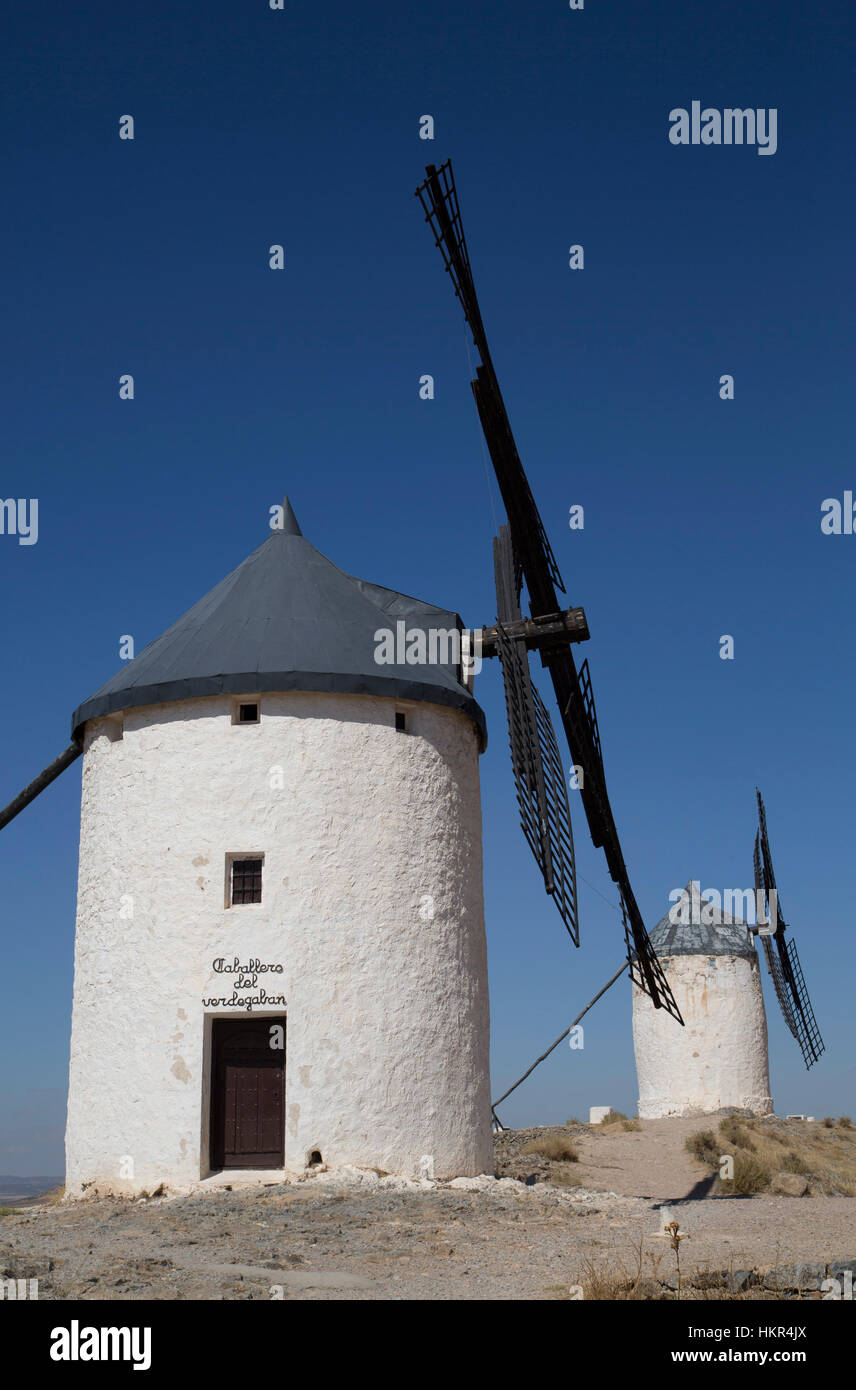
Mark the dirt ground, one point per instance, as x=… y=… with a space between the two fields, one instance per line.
x=351 y=1235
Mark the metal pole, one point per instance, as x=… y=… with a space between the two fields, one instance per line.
x=554 y=1045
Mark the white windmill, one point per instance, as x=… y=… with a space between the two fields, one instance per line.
x=280 y=955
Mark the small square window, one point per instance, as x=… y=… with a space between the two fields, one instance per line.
x=246 y=881
x=246 y=712
x=400 y=721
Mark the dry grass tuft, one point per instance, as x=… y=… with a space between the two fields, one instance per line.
x=602 y=1283
x=737 y=1133
x=793 y=1163
x=553 y=1146
x=562 y=1178
x=703 y=1146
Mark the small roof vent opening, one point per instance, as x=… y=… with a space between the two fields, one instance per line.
x=246 y=712
x=114 y=728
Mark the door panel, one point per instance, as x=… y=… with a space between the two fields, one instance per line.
x=247 y=1095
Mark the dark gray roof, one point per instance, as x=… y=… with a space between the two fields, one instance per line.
x=723 y=936
x=285 y=619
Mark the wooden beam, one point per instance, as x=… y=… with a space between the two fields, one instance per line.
x=39 y=783
x=552 y=630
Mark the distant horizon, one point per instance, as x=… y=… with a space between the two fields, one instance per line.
x=23 y=1177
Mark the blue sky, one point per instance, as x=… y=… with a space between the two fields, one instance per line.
x=702 y=516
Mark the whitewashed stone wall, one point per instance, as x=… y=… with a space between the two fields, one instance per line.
x=719 y=1058
x=372 y=903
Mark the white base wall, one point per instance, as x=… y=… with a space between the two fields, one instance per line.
x=719 y=1058
x=372 y=904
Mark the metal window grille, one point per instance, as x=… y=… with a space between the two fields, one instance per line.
x=246 y=881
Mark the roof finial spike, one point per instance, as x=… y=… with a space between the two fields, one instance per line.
x=290 y=525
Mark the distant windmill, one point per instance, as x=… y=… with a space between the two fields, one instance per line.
x=713 y=965
x=720 y=1058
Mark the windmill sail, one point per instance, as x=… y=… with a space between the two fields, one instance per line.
x=784 y=964
x=539 y=778
x=773 y=963
x=539 y=570
x=440 y=202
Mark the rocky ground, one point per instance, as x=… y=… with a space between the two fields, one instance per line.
x=348 y=1235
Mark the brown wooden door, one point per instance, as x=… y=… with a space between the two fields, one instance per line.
x=247 y=1094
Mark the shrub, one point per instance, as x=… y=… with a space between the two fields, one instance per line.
x=846 y=1122
x=553 y=1146
x=631 y=1124
x=749 y=1176
x=613 y=1115
x=828 y=1121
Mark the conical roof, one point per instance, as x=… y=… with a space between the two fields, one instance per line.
x=287 y=619
x=694 y=926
